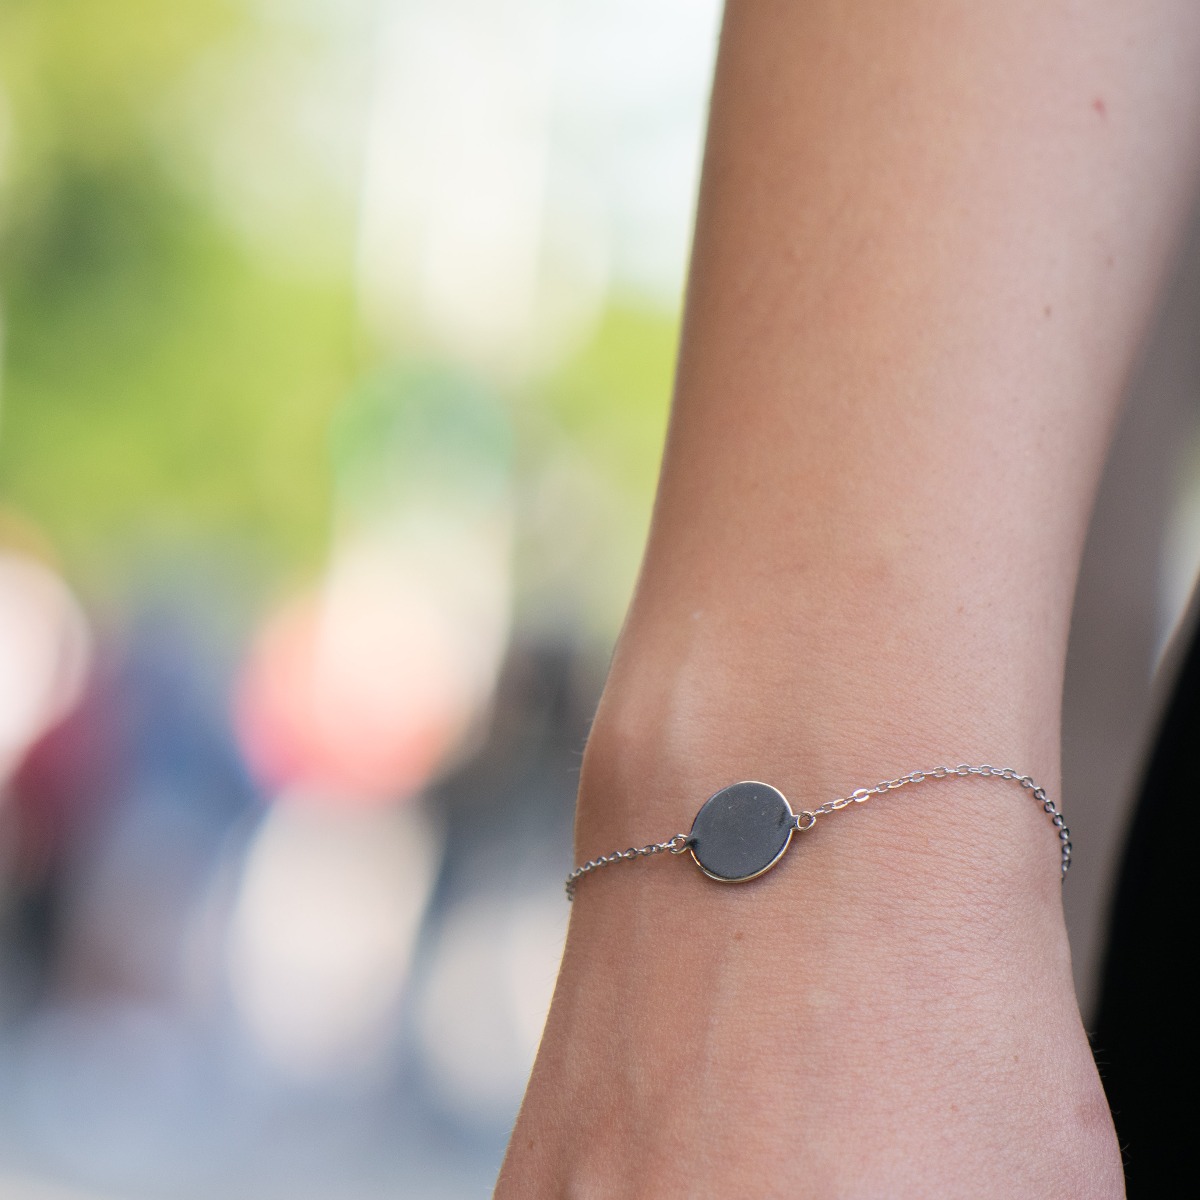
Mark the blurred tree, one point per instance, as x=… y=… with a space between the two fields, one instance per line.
x=591 y=438
x=162 y=375
x=169 y=375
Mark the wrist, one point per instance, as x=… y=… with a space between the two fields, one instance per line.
x=903 y=970
x=870 y=988
x=662 y=744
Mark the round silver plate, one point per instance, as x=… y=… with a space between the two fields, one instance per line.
x=741 y=831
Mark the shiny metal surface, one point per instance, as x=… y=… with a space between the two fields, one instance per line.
x=741 y=831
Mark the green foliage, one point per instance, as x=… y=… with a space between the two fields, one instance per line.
x=160 y=377
x=611 y=399
x=168 y=382
x=591 y=439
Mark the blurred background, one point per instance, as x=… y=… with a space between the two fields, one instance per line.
x=337 y=347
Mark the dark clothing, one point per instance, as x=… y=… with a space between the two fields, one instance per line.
x=1147 y=1032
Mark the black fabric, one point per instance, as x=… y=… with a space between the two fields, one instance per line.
x=1147 y=1025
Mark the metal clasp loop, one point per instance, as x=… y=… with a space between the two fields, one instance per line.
x=805 y=820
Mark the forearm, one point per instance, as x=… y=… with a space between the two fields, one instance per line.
x=928 y=238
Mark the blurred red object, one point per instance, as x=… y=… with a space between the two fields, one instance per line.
x=357 y=698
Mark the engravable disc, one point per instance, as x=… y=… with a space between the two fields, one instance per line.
x=741 y=831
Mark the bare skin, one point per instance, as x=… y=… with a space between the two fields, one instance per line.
x=929 y=238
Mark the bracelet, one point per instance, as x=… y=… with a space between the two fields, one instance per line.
x=743 y=830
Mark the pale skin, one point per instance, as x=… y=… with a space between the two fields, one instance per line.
x=930 y=236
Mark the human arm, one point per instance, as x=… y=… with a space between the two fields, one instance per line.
x=929 y=237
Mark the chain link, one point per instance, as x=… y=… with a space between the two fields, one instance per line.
x=986 y=771
x=674 y=845
x=807 y=818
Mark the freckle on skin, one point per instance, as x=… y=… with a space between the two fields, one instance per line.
x=1047 y=310
x=1099 y=106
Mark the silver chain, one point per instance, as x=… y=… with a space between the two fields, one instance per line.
x=807 y=818
x=675 y=845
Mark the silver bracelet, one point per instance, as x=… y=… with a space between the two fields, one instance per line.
x=743 y=829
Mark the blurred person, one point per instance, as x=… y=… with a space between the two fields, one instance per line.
x=929 y=240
